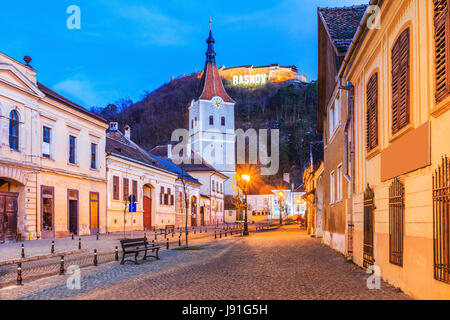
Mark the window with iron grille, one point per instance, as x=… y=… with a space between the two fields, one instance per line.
x=396 y=222
x=441 y=220
x=400 y=82
x=372 y=113
x=441 y=53
x=369 y=207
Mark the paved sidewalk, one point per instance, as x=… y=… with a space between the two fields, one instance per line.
x=11 y=252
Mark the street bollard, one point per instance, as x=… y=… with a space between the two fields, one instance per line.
x=72 y=236
x=153 y=243
x=195 y=231
x=225 y=233
x=231 y=232
x=215 y=234
x=179 y=241
x=19 y=274
x=52 y=250
x=167 y=244
x=156 y=236
x=97 y=236
x=61 y=266
x=95 y=258
x=220 y=234
x=116 y=255
x=79 y=243
x=23 y=251
x=173 y=234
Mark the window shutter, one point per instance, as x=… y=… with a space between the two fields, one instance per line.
x=400 y=82
x=126 y=189
x=372 y=113
x=135 y=189
x=116 y=187
x=441 y=38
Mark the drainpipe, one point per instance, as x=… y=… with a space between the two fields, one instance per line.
x=349 y=161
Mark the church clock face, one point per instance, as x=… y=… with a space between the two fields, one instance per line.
x=217 y=102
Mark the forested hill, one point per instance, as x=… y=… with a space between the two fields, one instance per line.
x=290 y=107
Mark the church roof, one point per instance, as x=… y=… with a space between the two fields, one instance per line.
x=211 y=84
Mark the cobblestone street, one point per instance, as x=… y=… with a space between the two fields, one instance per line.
x=280 y=264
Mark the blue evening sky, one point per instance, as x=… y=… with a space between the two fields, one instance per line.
x=127 y=47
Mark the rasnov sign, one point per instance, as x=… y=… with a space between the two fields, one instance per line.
x=256 y=79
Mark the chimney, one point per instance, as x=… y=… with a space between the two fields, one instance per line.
x=113 y=126
x=127 y=132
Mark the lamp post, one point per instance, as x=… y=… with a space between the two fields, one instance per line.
x=281 y=195
x=246 y=178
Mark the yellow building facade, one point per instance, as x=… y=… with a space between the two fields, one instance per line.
x=401 y=134
x=52 y=164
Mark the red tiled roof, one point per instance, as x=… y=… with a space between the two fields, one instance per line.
x=342 y=24
x=212 y=84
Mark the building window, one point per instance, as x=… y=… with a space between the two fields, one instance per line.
x=47 y=200
x=94 y=210
x=400 y=83
x=211 y=120
x=14 y=130
x=339 y=183
x=93 y=156
x=192 y=124
x=334 y=116
x=161 y=196
x=135 y=189
x=222 y=121
x=214 y=186
x=196 y=121
x=72 y=149
x=332 y=187
x=441 y=216
x=372 y=113
x=441 y=35
x=116 y=194
x=126 y=189
x=46 y=140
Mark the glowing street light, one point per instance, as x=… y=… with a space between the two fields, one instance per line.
x=246 y=178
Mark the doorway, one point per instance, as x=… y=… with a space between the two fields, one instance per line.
x=47 y=212
x=72 y=203
x=8 y=215
x=194 y=211
x=94 y=215
x=202 y=215
x=147 y=213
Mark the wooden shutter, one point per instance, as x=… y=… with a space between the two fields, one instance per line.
x=372 y=113
x=400 y=83
x=441 y=38
x=135 y=189
x=161 y=196
x=126 y=189
x=116 y=195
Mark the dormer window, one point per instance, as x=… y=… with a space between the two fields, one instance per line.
x=222 y=121
x=211 y=120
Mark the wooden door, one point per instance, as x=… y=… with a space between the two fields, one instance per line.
x=8 y=215
x=147 y=202
x=202 y=215
x=72 y=198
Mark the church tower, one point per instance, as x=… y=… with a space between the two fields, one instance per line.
x=211 y=119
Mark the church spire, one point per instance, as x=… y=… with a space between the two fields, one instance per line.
x=210 y=54
x=211 y=84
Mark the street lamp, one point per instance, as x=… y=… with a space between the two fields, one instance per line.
x=246 y=178
x=281 y=195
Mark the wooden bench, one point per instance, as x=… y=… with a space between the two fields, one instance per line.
x=134 y=246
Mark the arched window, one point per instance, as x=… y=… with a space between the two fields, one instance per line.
x=222 y=120
x=211 y=120
x=14 y=130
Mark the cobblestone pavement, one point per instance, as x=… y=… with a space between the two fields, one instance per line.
x=280 y=264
